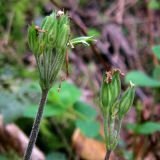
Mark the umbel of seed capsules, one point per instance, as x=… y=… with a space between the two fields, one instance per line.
x=49 y=44
x=110 y=93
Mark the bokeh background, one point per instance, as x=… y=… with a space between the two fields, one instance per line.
x=128 y=38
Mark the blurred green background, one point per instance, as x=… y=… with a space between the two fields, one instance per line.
x=128 y=37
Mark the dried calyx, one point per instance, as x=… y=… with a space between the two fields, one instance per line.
x=110 y=74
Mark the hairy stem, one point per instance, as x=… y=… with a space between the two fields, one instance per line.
x=105 y=118
x=108 y=153
x=36 y=124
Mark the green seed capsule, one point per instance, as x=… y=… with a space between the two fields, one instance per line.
x=63 y=20
x=52 y=35
x=50 y=43
x=115 y=86
x=62 y=37
x=105 y=94
x=49 y=25
x=111 y=88
x=48 y=22
x=126 y=100
x=33 y=39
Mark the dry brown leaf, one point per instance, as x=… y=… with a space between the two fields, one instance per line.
x=13 y=137
x=87 y=148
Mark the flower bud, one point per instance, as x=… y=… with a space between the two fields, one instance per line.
x=33 y=39
x=126 y=100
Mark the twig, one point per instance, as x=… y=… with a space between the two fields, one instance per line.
x=150 y=32
x=35 y=128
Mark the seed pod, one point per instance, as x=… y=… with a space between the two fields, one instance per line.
x=126 y=100
x=62 y=20
x=115 y=85
x=49 y=24
x=111 y=87
x=58 y=62
x=33 y=39
x=105 y=94
x=62 y=37
x=52 y=34
x=50 y=42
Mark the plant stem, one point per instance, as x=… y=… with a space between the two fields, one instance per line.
x=36 y=124
x=107 y=155
x=105 y=118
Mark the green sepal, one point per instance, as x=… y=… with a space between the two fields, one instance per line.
x=52 y=35
x=63 y=35
x=85 y=40
x=105 y=94
x=49 y=25
x=126 y=101
x=115 y=86
x=110 y=91
x=63 y=20
x=33 y=39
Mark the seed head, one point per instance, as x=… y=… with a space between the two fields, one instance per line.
x=49 y=45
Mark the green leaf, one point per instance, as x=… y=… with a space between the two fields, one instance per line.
x=11 y=107
x=58 y=102
x=30 y=91
x=141 y=79
x=67 y=96
x=85 y=109
x=129 y=155
x=156 y=51
x=131 y=126
x=3 y=157
x=49 y=111
x=156 y=72
x=154 y=4
x=145 y=128
x=88 y=128
x=85 y=40
x=56 y=156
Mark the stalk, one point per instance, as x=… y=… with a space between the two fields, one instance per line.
x=49 y=44
x=36 y=124
x=107 y=155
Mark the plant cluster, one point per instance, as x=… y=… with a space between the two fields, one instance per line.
x=114 y=107
x=49 y=44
